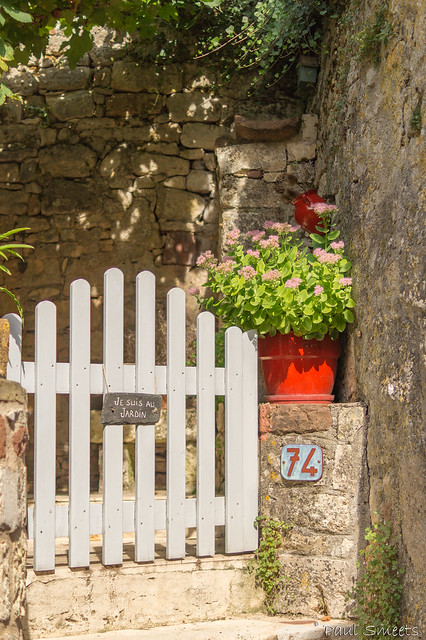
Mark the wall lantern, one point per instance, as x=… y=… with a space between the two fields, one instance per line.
x=307 y=71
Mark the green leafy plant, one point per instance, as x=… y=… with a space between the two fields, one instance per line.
x=8 y=250
x=279 y=285
x=378 y=590
x=266 y=565
x=375 y=34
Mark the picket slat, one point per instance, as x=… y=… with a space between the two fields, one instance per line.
x=176 y=419
x=206 y=424
x=145 y=434
x=45 y=437
x=112 y=531
x=234 y=437
x=250 y=440
x=79 y=424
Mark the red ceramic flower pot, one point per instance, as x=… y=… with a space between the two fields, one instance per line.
x=304 y=213
x=298 y=370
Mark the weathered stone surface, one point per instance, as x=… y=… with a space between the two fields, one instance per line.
x=9 y=172
x=294 y=418
x=2 y=438
x=201 y=135
x=13 y=202
x=200 y=182
x=266 y=129
x=180 y=248
x=180 y=206
x=309 y=129
x=167 y=148
x=64 y=78
x=140 y=77
x=67 y=161
x=194 y=107
x=245 y=157
x=300 y=151
x=376 y=173
x=176 y=182
x=20 y=81
x=76 y=104
x=133 y=104
x=68 y=197
x=150 y=163
x=247 y=194
x=192 y=154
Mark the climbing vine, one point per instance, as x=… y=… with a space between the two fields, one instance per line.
x=266 y=565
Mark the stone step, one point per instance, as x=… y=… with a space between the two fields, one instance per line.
x=247 y=628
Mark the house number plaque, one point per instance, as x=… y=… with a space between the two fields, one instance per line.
x=301 y=462
x=131 y=408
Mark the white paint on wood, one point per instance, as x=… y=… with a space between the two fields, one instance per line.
x=145 y=434
x=15 y=347
x=234 y=435
x=45 y=437
x=112 y=542
x=206 y=425
x=79 y=424
x=176 y=422
x=250 y=440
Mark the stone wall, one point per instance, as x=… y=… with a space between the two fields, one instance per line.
x=114 y=163
x=13 y=537
x=371 y=159
x=319 y=553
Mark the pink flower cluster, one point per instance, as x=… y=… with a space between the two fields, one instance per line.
x=253 y=252
x=247 y=272
x=293 y=283
x=232 y=236
x=337 y=245
x=226 y=266
x=206 y=259
x=345 y=281
x=256 y=234
x=280 y=226
x=273 y=242
x=273 y=274
x=324 y=256
x=318 y=290
x=322 y=207
x=193 y=291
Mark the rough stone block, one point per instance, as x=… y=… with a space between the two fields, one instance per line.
x=2 y=438
x=9 y=172
x=200 y=182
x=194 y=107
x=180 y=248
x=300 y=151
x=196 y=135
x=294 y=418
x=125 y=105
x=149 y=163
x=262 y=130
x=13 y=202
x=351 y=419
x=309 y=130
x=136 y=77
x=241 y=158
x=245 y=193
x=64 y=78
x=316 y=589
x=12 y=502
x=68 y=197
x=20 y=81
x=179 y=206
x=67 y=161
x=166 y=148
x=76 y=104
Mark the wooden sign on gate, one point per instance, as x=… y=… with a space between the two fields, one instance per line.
x=131 y=408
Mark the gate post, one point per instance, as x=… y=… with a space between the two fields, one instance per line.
x=13 y=481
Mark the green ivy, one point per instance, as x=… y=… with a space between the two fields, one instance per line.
x=378 y=590
x=374 y=35
x=266 y=565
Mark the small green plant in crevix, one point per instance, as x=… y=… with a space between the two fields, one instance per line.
x=376 y=34
x=7 y=250
x=377 y=592
x=266 y=565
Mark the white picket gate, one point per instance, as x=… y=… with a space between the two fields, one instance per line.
x=80 y=518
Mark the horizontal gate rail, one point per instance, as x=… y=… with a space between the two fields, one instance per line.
x=80 y=378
